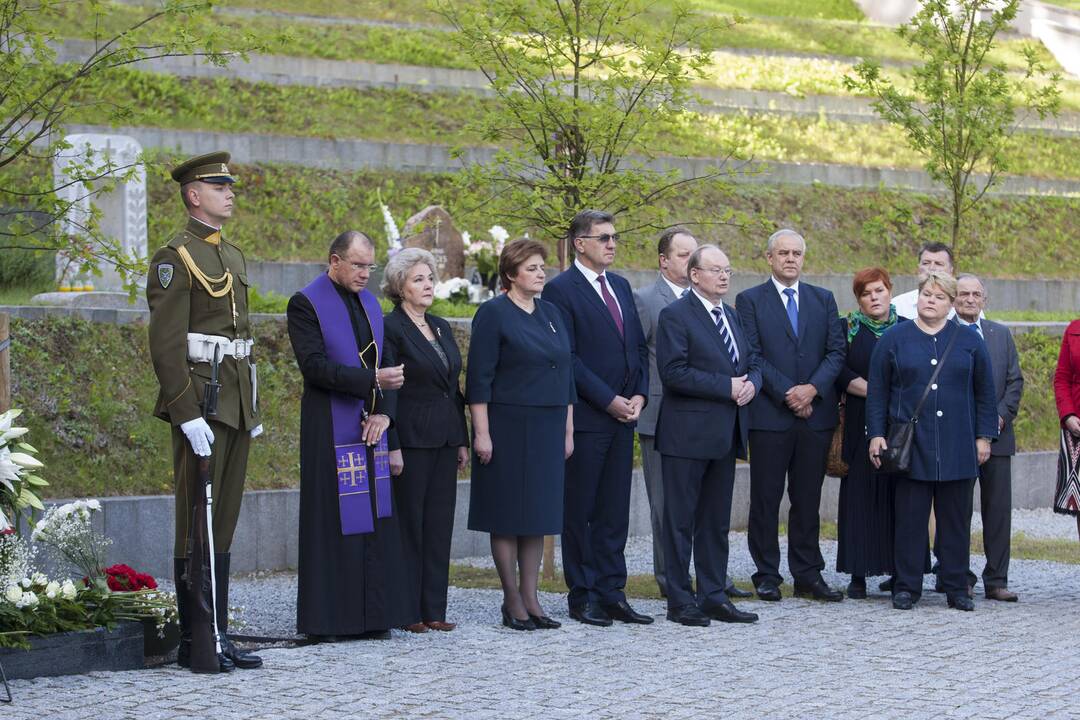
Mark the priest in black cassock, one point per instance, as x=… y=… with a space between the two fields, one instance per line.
x=349 y=569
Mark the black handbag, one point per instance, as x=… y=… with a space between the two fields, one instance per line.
x=896 y=457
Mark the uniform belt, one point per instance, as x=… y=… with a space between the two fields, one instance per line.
x=201 y=348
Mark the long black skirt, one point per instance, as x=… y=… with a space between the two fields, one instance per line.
x=865 y=520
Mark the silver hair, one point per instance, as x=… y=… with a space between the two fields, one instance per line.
x=781 y=233
x=976 y=278
x=695 y=257
x=399 y=266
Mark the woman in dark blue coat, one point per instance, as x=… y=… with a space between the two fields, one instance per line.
x=951 y=439
x=520 y=389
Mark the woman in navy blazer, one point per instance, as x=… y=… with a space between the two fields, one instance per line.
x=952 y=436
x=428 y=442
x=520 y=388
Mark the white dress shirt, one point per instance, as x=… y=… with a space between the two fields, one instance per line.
x=592 y=278
x=780 y=288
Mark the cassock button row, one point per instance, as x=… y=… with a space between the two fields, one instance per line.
x=939 y=413
x=933 y=361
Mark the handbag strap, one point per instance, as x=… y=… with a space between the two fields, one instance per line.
x=934 y=377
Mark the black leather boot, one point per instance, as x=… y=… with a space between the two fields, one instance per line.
x=183 y=652
x=240 y=658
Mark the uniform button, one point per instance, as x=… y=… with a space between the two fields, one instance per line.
x=933 y=361
x=554 y=367
x=939 y=413
x=934 y=386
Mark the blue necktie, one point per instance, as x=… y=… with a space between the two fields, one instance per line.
x=975 y=326
x=792 y=310
x=685 y=293
x=725 y=336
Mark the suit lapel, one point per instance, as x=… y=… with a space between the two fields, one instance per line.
x=709 y=324
x=594 y=301
x=777 y=304
x=423 y=347
x=664 y=291
x=804 y=301
x=740 y=340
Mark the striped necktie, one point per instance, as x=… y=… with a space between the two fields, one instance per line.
x=725 y=336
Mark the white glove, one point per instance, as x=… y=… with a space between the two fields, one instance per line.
x=200 y=436
x=257 y=431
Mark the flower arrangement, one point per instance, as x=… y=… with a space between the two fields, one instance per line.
x=393 y=236
x=66 y=531
x=18 y=473
x=486 y=253
x=454 y=290
x=121 y=578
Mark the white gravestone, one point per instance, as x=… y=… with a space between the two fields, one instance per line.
x=123 y=207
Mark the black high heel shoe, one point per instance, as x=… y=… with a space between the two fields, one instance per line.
x=514 y=624
x=543 y=622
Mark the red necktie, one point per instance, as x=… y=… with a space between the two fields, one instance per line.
x=612 y=306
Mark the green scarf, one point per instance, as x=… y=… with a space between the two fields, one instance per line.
x=856 y=319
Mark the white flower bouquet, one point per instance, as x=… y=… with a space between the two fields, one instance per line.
x=18 y=473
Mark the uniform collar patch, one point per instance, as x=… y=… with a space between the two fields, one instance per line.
x=165 y=273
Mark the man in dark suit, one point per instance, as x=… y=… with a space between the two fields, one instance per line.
x=797 y=344
x=995 y=475
x=709 y=377
x=610 y=360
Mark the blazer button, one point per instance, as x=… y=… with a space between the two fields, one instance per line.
x=554 y=367
x=446 y=395
x=934 y=386
x=933 y=361
x=939 y=413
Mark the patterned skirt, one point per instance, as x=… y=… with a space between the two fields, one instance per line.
x=1067 y=495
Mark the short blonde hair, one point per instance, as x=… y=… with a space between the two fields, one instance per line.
x=943 y=281
x=398 y=268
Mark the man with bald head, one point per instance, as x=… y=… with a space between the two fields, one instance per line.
x=995 y=475
x=793 y=334
x=709 y=377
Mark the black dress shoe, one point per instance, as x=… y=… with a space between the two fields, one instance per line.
x=856 y=589
x=688 y=615
x=590 y=615
x=940 y=588
x=513 y=623
x=886 y=585
x=902 y=601
x=735 y=592
x=817 y=590
x=240 y=658
x=622 y=612
x=727 y=612
x=769 y=593
x=962 y=602
x=183 y=659
x=543 y=622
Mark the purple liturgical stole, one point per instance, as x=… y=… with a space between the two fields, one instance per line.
x=347 y=412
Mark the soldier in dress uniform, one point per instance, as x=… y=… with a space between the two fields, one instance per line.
x=197 y=290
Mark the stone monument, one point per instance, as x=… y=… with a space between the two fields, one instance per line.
x=432 y=229
x=122 y=221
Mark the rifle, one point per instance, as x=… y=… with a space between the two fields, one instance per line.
x=200 y=585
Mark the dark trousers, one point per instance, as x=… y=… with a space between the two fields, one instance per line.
x=654 y=489
x=228 y=467
x=995 y=496
x=951 y=501
x=799 y=454
x=596 y=516
x=426 y=493
x=697 y=517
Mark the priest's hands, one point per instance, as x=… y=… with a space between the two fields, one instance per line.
x=390 y=378
x=374 y=427
x=397 y=462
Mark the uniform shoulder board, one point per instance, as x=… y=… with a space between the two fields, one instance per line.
x=165 y=272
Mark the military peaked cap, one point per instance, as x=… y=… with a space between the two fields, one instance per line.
x=212 y=168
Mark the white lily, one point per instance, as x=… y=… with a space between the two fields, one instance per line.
x=26 y=461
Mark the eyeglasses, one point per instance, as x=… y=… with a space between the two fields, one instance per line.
x=361 y=266
x=602 y=239
x=717 y=270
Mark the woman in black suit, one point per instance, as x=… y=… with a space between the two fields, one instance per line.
x=520 y=385
x=428 y=442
